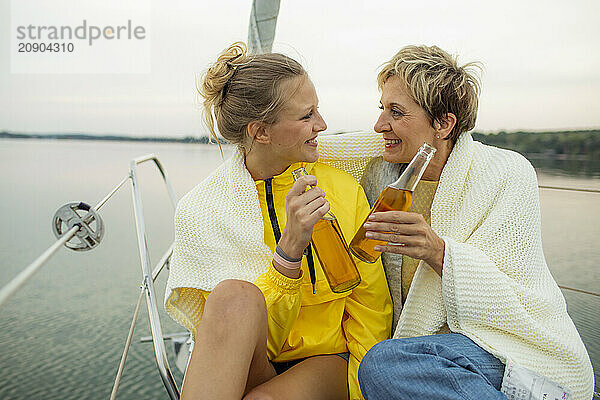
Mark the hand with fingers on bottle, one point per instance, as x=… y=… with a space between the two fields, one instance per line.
x=407 y=233
x=303 y=209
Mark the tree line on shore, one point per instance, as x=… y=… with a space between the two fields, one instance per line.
x=582 y=144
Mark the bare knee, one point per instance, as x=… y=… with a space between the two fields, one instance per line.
x=258 y=394
x=235 y=299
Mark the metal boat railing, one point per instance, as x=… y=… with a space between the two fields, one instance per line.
x=80 y=227
x=148 y=278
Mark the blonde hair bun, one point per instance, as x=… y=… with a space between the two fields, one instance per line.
x=219 y=73
x=240 y=88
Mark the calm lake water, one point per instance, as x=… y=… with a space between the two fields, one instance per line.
x=62 y=335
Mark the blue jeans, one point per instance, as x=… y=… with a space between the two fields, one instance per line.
x=446 y=366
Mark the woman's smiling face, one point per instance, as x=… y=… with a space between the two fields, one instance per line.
x=404 y=124
x=294 y=135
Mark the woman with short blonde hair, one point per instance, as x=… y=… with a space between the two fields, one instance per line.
x=472 y=293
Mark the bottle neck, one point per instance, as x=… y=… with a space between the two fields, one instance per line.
x=414 y=171
x=297 y=173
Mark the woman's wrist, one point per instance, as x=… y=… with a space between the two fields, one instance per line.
x=437 y=263
x=285 y=263
x=286 y=268
x=282 y=254
x=291 y=247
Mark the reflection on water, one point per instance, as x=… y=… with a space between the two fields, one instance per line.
x=62 y=335
x=570 y=167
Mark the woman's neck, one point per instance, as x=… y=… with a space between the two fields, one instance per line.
x=436 y=166
x=261 y=166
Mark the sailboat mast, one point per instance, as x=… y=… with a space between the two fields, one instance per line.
x=263 y=21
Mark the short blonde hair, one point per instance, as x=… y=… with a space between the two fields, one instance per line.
x=240 y=88
x=436 y=82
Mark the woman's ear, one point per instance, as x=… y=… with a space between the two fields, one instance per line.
x=444 y=126
x=257 y=131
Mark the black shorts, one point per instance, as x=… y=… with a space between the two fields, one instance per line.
x=281 y=367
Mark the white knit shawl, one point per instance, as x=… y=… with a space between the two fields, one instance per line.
x=496 y=287
x=219 y=231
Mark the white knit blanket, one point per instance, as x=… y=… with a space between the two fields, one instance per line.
x=496 y=287
x=219 y=231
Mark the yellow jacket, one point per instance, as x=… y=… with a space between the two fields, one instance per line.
x=303 y=324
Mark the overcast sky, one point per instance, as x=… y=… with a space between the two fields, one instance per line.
x=541 y=64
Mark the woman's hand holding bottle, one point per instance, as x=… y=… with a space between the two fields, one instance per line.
x=303 y=209
x=407 y=233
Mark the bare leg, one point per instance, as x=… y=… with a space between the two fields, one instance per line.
x=230 y=352
x=316 y=378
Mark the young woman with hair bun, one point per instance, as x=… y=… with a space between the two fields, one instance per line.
x=240 y=274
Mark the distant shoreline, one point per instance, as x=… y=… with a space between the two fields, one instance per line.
x=120 y=138
x=565 y=145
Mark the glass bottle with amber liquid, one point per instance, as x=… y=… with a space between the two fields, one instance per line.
x=395 y=197
x=331 y=248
